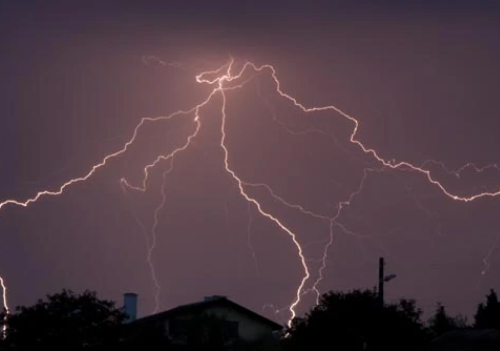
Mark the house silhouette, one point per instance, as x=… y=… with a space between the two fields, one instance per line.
x=215 y=319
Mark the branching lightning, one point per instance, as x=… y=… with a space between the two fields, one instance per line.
x=223 y=80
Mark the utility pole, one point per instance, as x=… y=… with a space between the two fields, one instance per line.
x=381 y=279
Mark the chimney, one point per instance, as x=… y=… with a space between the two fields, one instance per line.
x=130 y=302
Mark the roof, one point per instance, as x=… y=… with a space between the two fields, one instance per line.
x=198 y=307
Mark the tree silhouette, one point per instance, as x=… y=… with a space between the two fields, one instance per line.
x=488 y=315
x=63 y=320
x=441 y=322
x=356 y=321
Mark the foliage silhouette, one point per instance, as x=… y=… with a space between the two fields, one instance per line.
x=488 y=315
x=441 y=322
x=356 y=321
x=63 y=320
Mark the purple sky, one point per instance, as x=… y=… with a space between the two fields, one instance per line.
x=422 y=80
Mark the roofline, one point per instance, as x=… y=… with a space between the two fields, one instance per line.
x=201 y=304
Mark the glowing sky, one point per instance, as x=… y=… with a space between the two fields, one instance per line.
x=421 y=81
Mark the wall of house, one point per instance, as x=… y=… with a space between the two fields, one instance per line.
x=249 y=329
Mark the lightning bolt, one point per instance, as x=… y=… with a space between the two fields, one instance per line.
x=155 y=226
x=486 y=259
x=4 y=295
x=150 y=244
x=223 y=80
x=333 y=221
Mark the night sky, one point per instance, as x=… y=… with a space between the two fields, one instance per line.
x=421 y=79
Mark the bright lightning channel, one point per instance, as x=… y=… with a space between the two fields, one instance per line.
x=224 y=77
